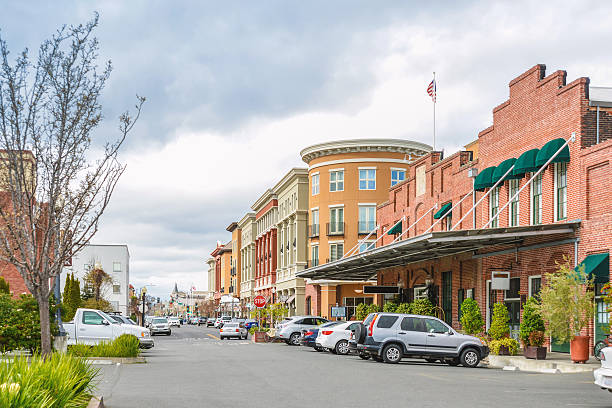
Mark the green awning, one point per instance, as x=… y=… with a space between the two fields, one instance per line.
x=502 y=169
x=525 y=163
x=397 y=229
x=484 y=179
x=551 y=148
x=596 y=266
x=443 y=211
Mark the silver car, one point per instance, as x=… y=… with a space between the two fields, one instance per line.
x=160 y=325
x=390 y=336
x=233 y=329
x=290 y=329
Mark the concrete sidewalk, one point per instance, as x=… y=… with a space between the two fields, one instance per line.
x=555 y=363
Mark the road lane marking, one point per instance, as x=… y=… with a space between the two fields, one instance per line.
x=213 y=336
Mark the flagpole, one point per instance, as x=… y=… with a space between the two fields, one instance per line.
x=434 y=111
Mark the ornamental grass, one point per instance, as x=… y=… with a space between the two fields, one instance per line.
x=125 y=345
x=58 y=381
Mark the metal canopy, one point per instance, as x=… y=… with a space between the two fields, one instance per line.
x=364 y=266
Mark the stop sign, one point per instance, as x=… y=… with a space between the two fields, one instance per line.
x=259 y=301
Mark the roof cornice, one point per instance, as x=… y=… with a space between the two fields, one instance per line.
x=263 y=200
x=407 y=147
x=291 y=175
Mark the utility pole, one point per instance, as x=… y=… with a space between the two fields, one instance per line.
x=144 y=294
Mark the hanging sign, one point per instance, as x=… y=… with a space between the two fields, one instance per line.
x=500 y=280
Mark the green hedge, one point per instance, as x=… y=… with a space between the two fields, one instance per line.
x=125 y=345
x=58 y=381
x=20 y=323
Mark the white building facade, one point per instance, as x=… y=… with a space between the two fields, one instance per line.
x=115 y=261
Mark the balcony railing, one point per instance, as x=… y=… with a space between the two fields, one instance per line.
x=313 y=230
x=312 y=262
x=335 y=228
x=365 y=227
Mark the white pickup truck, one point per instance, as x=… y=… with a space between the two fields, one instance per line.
x=91 y=326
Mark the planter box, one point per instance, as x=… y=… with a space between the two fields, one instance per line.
x=259 y=337
x=536 y=353
x=579 y=349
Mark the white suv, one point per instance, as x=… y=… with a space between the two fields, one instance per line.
x=390 y=336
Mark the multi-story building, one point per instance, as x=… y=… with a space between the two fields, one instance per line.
x=235 y=261
x=292 y=229
x=348 y=179
x=248 y=227
x=211 y=276
x=266 y=218
x=223 y=257
x=115 y=261
x=531 y=192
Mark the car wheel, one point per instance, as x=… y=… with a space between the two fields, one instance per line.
x=364 y=356
x=342 y=347
x=454 y=362
x=431 y=360
x=294 y=339
x=470 y=358
x=392 y=354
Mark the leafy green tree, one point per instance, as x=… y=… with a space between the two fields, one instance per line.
x=102 y=304
x=499 y=322
x=423 y=307
x=362 y=311
x=471 y=318
x=20 y=323
x=404 y=308
x=566 y=304
x=531 y=322
x=373 y=308
x=4 y=287
x=75 y=295
x=68 y=313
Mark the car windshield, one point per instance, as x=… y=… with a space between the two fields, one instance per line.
x=110 y=319
x=116 y=318
x=330 y=324
x=160 y=320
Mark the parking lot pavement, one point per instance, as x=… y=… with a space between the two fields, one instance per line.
x=192 y=368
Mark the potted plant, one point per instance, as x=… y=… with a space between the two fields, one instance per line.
x=567 y=308
x=532 y=331
x=499 y=331
x=471 y=318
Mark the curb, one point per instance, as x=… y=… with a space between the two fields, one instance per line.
x=518 y=363
x=115 y=360
x=96 y=402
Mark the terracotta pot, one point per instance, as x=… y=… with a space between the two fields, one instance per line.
x=536 y=353
x=579 y=349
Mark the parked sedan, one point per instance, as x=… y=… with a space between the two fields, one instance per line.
x=290 y=330
x=250 y=323
x=336 y=338
x=210 y=322
x=160 y=325
x=603 y=375
x=309 y=336
x=232 y=329
x=202 y=321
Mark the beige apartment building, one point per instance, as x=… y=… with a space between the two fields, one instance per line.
x=292 y=248
x=348 y=179
x=247 y=260
x=211 y=276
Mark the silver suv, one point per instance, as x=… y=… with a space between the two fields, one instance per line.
x=290 y=329
x=390 y=336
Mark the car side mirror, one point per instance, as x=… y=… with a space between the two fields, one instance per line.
x=105 y=322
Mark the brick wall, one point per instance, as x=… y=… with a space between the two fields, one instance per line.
x=14 y=279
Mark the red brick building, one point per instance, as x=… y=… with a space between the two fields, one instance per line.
x=266 y=218
x=540 y=199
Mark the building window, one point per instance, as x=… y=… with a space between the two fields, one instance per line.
x=116 y=289
x=494 y=206
x=314 y=228
x=561 y=190
x=314 y=251
x=336 y=180
x=336 y=220
x=367 y=179
x=447 y=296
x=336 y=251
x=397 y=176
x=514 y=204
x=116 y=266
x=515 y=287
x=315 y=184
x=351 y=304
x=365 y=246
x=308 y=305
x=535 y=285
x=367 y=218
x=420 y=292
x=536 y=200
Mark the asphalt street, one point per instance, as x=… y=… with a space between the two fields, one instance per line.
x=193 y=368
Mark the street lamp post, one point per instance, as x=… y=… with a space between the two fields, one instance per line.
x=144 y=294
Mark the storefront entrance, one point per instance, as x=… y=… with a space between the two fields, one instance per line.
x=514 y=313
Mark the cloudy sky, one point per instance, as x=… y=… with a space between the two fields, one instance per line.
x=236 y=89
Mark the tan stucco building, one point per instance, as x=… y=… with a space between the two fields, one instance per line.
x=247 y=259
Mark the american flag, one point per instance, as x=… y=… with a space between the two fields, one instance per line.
x=431 y=90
